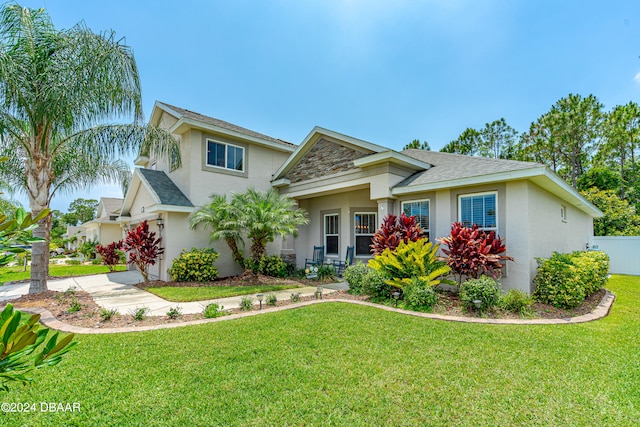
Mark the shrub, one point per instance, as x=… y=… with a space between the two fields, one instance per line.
x=485 y=289
x=110 y=254
x=326 y=272
x=96 y=262
x=376 y=286
x=174 y=312
x=143 y=248
x=196 y=265
x=409 y=260
x=271 y=299
x=394 y=230
x=88 y=249
x=246 y=303
x=355 y=277
x=565 y=280
x=473 y=252
x=75 y=306
x=295 y=297
x=139 y=313
x=73 y=262
x=106 y=315
x=420 y=296
x=273 y=266
x=213 y=310
x=516 y=301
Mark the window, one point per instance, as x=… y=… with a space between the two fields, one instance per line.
x=479 y=209
x=419 y=209
x=225 y=156
x=331 y=234
x=563 y=213
x=365 y=228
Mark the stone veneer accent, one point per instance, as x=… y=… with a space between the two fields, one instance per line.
x=324 y=158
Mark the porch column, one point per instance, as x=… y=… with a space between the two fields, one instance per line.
x=385 y=207
x=288 y=250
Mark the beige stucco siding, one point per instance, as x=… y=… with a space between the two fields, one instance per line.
x=110 y=233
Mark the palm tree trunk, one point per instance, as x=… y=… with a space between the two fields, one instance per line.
x=235 y=252
x=38 y=186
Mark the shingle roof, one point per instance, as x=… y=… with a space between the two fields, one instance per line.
x=111 y=205
x=166 y=190
x=447 y=167
x=224 y=125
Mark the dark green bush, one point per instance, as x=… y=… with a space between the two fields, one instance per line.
x=326 y=272
x=485 y=289
x=195 y=265
x=355 y=276
x=565 y=280
x=516 y=301
x=420 y=295
x=376 y=286
x=273 y=266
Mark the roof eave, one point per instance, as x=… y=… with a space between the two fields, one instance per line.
x=394 y=157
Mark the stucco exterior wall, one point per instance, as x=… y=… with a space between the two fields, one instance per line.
x=110 y=233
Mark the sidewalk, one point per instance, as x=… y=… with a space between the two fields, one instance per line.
x=116 y=291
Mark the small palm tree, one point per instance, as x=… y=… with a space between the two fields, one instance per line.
x=57 y=88
x=265 y=215
x=220 y=217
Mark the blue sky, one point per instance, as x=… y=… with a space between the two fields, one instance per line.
x=384 y=71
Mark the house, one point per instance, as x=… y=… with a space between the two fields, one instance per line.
x=347 y=186
x=74 y=237
x=105 y=227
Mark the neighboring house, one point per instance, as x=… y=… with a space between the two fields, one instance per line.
x=217 y=157
x=347 y=186
x=75 y=236
x=105 y=228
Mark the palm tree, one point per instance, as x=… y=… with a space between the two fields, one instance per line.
x=219 y=216
x=265 y=215
x=57 y=89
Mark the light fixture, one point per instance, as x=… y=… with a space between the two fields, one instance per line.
x=160 y=223
x=319 y=292
x=396 y=296
x=260 y=296
x=477 y=303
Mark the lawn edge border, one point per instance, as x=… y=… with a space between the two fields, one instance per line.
x=602 y=310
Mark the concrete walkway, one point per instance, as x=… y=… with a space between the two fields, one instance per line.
x=116 y=291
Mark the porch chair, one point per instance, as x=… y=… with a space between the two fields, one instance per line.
x=340 y=266
x=318 y=257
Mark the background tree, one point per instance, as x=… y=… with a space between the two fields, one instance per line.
x=620 y=218
x=467 y=143
x=84 y=209
x=417 y=145
x=57 y=88
x=497 y=140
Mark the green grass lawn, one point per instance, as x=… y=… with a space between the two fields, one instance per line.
x=200 y=293
x=12 y=274
x=341 y=364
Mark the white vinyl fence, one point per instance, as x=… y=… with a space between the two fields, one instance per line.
x=623 y=251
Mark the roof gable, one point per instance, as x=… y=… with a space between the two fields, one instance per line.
x=166 y=192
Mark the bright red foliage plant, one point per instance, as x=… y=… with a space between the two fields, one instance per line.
x=143 y=248
x=110 y=253
x=394 y=230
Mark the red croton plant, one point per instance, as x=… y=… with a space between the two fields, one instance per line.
x=473 y=252
x=110 y=253
x=143 y=248
x=394 y=230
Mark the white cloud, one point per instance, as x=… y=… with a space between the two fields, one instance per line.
x=637 y=77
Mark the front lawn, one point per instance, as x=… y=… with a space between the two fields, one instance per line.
x=200 y=293
x=14 y=274
x=341 y=364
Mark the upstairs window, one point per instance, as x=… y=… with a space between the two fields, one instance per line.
x=479 y=209
x=225 y=156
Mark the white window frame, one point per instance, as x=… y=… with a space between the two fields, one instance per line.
x=356 y=234
x=486 y=193
x=424 y=230
x=226 y=144
x=337 y=234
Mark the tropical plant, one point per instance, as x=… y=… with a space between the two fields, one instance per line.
x=220 y=216
x=20 y=337
x=143 y=248
x=17 y=231
x=411 y=260
x=472 y=252
x=88 y=249
x=57 y=88
x=394 y=230
x=196 y=265
x=110 y=254
x=265 y=215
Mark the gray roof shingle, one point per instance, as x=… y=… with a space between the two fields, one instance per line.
x=447 y=167
x=111 y=205
x=224 y=125
x=166 y=190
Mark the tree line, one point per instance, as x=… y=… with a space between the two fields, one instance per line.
x=592 y=149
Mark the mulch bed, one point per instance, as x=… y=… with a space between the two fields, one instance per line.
x=59 y=303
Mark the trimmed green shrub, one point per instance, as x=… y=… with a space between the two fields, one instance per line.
x=420 y=296
x=485 y=289
x=195 y=265
x=565 y=280
x=273 y=266
x=213 y=310
x=376 y=286
x=516 y=301
x=355 y=276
